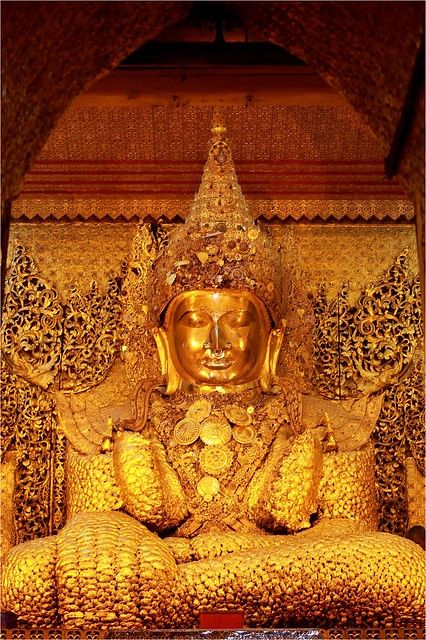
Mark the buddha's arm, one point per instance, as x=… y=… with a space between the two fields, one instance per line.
x=284 y=493
x=136 y=475
x=148 y=485
x=91 y=483
x=347 y=488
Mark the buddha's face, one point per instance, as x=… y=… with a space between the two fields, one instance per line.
x=217 y=337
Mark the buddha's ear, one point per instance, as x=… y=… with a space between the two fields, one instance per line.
x=271 y=358
x=167 y=368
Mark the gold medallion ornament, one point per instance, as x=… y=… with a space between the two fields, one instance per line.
x=215 y=459
x=237 y=415
x=215 y=430
x=199 y=410
x=244 y=434
x=186 y=431
x=208 y=487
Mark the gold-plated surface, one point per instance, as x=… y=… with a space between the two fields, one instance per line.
x=216 y=337
x=284 y=494
x=7 y=507
x=91 y=485
x=215 y=459
x=112 y=571
x=105 y=561
x=30 y=429
x=29 y=584
x=237 y=415
x=416 y=494
x=244 y=434
x=347 y=488
x=149 y=487
x=219 y=246
x=371 y=346
x=199 y=410
x=376 y=338
x=215 y=430
x=271 y=500
x=186 y=431
x=32 y=327
x=357 y=254
x=112 y=209
x=208 y=487
x=290 y=585
x=91 y=319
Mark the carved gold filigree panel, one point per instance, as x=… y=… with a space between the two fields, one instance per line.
x=368 y=347
x=91 y=336
x=32 y=321
x=48 y=343
x=30 y=427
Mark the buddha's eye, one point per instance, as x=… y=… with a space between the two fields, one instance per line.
x=195 y=320
x=236 y=319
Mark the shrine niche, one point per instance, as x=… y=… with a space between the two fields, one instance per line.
x=217 y=392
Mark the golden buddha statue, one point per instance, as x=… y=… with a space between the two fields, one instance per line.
x=219 y=494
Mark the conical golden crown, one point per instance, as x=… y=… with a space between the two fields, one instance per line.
x=219 y=196
x=219 y=246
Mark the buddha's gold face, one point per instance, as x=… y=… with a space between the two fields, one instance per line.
x=217 y=337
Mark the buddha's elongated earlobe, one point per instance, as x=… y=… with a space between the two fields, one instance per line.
x=167 y=368
x=271 y=357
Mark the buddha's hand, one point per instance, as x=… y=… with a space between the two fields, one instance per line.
x=149 y=487
x=348 y=488
x=284 y=494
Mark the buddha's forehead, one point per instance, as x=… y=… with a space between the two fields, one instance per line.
x=217 y=301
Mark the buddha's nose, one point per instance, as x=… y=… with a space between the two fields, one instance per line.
x=216 y=343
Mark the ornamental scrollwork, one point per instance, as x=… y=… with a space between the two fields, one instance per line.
x=326 y=347
x=370 y=346
x=32 y=322
x=386 y=327
x=47 y=344
x=91 y=336
x=30 y=428
x=412 y=398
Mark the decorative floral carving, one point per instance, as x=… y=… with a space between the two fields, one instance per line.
x=326 y=375
x=45 y=341
x=91 y=336
x=32 y=322
x=370 y=346
x=34 y=441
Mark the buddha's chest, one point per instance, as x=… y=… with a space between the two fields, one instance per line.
x=216 y=444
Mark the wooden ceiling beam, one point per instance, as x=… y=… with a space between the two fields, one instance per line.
x=201 y=86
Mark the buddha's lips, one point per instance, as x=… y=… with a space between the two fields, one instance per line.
x=216 y=363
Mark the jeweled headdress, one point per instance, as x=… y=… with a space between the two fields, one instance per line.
x=219 y=246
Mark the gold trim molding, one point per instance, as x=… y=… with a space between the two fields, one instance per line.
x=111 y=209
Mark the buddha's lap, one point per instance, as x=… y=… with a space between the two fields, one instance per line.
x=97 y=552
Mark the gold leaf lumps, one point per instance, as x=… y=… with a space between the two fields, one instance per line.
x=202 y=256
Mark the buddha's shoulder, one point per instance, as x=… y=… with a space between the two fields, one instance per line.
x=351 y=420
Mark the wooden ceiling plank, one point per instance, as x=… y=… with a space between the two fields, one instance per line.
x=193 y=86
